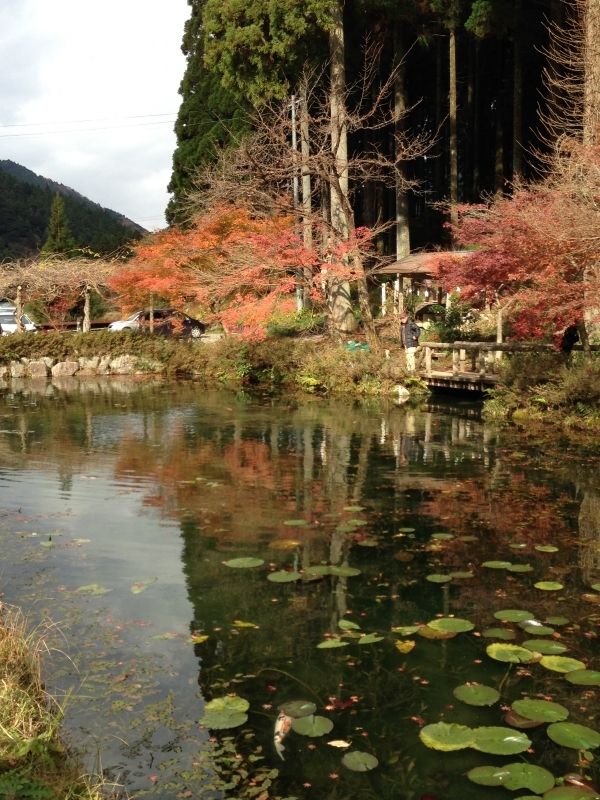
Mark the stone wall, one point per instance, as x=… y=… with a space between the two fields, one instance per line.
x=82 y=367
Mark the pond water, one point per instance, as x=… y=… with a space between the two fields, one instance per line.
x=398 y=554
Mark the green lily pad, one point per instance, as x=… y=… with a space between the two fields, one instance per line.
x=505 y=634
x=557 y=621
x=296 y=523
x=595 y=587
x=312 y=726
x=442 y=537
x=348 y=625
x=509 y=653
x=344 y=572
x=513 y=776
x=520 y=568
x=538 y=630
x=354 y=509
x=569 y=734
x=318 y=570
x=497 y=564
x=225 y=712
x=330 y=644
x=513 y=615
x=369 y=541
x=358 y=761
x=549 y=586
x=540 y=710
x=571 y=793
x=283 y=576
x=546 y=548
x=476 y=694
x=370 y=638
x=92 y=588
x=405 y=630
x=547 y=647
x=451 y=624
x=584 y=677
x=437 y=578
x=561 y=663
x=500 y=741
x=462 y=575
x=244 y=563
x=298 y=708
x=446 y=736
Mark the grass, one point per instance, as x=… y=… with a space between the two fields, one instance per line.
x=35 y=764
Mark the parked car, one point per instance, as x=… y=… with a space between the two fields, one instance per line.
x=167 y=321
x=8 y=320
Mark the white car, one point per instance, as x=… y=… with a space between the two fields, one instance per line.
x=8 y=321
x=167 y=321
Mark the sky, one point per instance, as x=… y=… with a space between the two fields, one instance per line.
x=89 y=96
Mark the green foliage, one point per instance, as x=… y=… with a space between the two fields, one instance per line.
x=59 y=239
x=303 y=322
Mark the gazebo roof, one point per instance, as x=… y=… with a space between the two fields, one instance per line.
x=423 y=264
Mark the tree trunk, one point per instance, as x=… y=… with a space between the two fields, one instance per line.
x=87 y=325
x=342 y=316
x=453 y=120
x=517 y=144
x=591 y=61
x=400 y=106
x=19 y=310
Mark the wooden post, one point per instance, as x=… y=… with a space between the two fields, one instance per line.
x=428 y=353
x=462 y=358
x=482 y=363
x=383 y=298
x=455 y=361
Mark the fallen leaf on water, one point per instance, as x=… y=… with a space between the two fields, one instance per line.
x=405 y=646
x=240 y=623
x=338 y=743
x=141 y=586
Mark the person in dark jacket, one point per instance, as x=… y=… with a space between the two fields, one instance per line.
x=409 y=339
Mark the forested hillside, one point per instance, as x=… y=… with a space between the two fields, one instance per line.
x=25 y=203
x=470 y=79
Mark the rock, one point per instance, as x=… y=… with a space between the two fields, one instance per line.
x=402 y=393
x=65 y=369
x=89 y=366
x=37 y=369
x=123 y=365
x=103 y=365
x=17 y=369
x=4 y=371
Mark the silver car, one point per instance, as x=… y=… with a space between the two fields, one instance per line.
x=8 y=321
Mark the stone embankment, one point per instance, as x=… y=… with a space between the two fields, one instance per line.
x=82 y=367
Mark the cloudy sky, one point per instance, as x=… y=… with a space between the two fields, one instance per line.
x=89 y=95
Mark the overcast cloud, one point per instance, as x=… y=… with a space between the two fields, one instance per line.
x=89 y=96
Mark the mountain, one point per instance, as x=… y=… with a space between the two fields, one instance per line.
x=25 y=201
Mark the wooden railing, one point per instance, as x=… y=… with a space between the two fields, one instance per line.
x=482 y=358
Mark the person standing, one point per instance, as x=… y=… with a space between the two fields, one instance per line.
x=409 y=340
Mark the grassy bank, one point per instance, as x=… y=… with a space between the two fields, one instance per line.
x=543 y=388
x=314 y=364
x=34 y=763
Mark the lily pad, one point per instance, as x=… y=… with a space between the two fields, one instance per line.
x=509 y=653
x=358 y=761
x=298 y=708
x=546 y=548
x=569 y=734
x=514 y=776
x=584 y=677
x=330 y=644
x=447 y=736
x=540 y=710
x=571 y=793
x=437 y=578
x=462 y=575
x=547 y=647
x=370 y=638
x=244 y=563
x=434 y=633
x=500 y=741
x=405 y=630
x=348 y=625
x=283 y=576
x=557 y=621
x=520 y=568
x=505 y=634
x=140 y=586
x=513 y=615
x=312 y=726
x=451 y=624
x=318 y=570
x=549 y=586
x=561 y=663
x=225 y=712
x=476 y=694
x=92 y=588
x=538 y=630
x=596 y=587
x=296 y=523
x=344 y=572
x=497 y=564
x=442 y=537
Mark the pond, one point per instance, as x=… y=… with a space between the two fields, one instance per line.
x=410 y=595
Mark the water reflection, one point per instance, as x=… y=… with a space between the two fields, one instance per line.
x=128 y=482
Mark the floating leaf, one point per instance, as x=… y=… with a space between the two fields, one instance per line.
x=199 y=638
x=330 y=644
x=431 y=633
x=538 y=630
x=561 y=663
x=405 y=646
x=225 y=712
x=283 y=576
x=513 y=615
x=298 y=708
x=370 y=638
x=584 y=677
x=341 y=743
x=318 y=569
x=358 y=761
x=497 y=564
x=549 y=586
x=296 y=523
x=505 y=634
x=520 y=568
x=436 y=578
x=244 y=563
x=141 y=586
x=92 y=588
x=369 y=541
x=509 y=653
x=540 y=710
x=452 y=624
x=446 y=736
x=347 y=625
x=546 y=548
x=596 y=587
x=284 y=544
x=476 y=694
x=500 y=741
x=462 y=575
x=312 y=726
x=547 y=647
x=571 y=793
x=557 y=621
x=569 y=734
x=242 y=623
x=405 y=630
x=517 y=721
x=354 y=509
x=442 y=537
x=513 y=776
x=344 y=572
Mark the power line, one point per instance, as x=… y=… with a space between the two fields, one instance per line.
x=76 y=121
x=84 y=130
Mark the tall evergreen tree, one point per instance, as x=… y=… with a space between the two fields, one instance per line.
x=59 y=240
